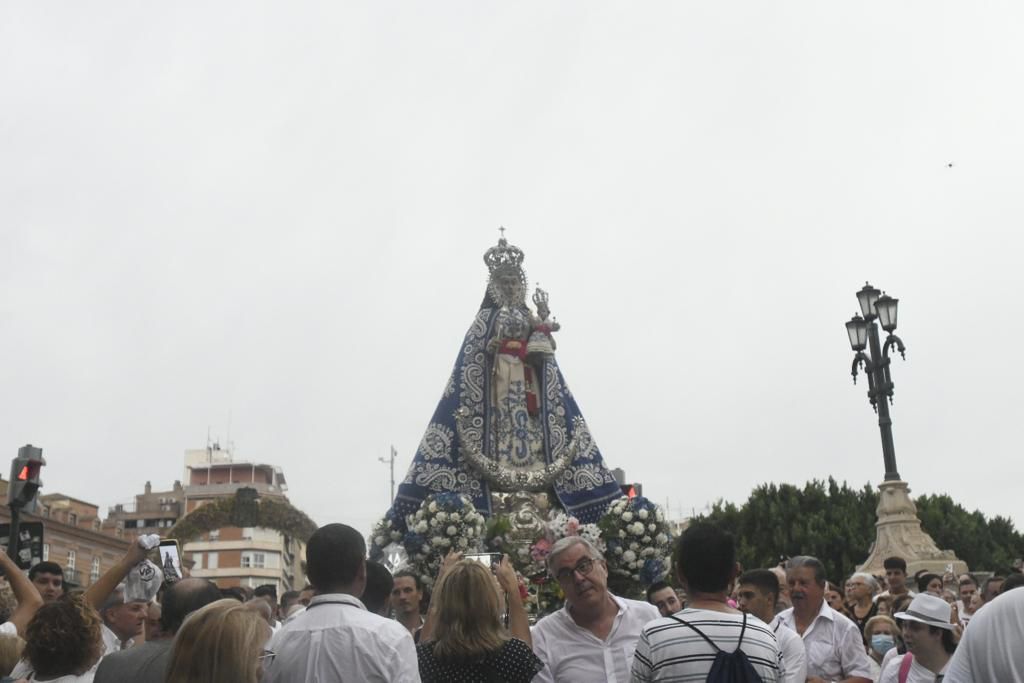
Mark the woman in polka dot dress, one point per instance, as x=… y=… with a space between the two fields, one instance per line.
x=464 y=640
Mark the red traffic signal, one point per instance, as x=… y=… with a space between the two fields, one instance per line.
x=25 y=470
x=632 y=490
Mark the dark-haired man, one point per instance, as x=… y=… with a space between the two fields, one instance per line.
x=336 y=638
x=835 y=648
x=757 y=593
x=664 y=597
x=147 y=663
x=48 y=578
x=406 y=596
x=895 y=579
x=680 y=647
x=928 y=633
x=379 y=582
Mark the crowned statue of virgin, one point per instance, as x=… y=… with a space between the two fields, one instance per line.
x=507 y=424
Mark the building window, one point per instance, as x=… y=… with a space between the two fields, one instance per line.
x=94 y=574
x=72 y=519
x=247 y=533
x=212 y=560
x=251 y=560
x=215 y=534
x=197 y=558
x=46 y=552
x=71 y=559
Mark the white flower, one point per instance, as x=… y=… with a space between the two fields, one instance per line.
x=658 y=517
x=645 y=540
x=629 y=556
x=421 y=527
x=379 y=540
x=470 y=531
x=442 y=516
x=425 y=549
x=627 y=516
x=618 y=550
x=642 y=514
x=432 y=507
x=652 y=527
x=436 y=540
x=646 y=552
x=463 y=542
x=452 y=531
x=661 y=539
x=634 y=545
x=637 y=529
x=454 y=517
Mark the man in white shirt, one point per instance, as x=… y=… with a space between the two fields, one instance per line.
x=928 y=633
x=336 y=638
x=990 y=649
x=122 y=620
x=757 y=594
x=593 y=637
x=834 y=645
x=687 y=645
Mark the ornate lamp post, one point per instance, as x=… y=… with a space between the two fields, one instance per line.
x=898 y=530
x=862 y=330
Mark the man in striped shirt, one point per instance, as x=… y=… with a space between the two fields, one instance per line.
x=670 y=650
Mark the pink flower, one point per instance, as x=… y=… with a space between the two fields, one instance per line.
x=539 y=550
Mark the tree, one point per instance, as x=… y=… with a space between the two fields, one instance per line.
x=836 y=524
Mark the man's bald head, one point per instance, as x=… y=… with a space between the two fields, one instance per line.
x=184 y=598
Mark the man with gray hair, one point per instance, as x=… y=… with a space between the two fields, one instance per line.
x=835 y=648
x=594 y=636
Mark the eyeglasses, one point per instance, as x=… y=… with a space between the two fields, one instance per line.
x=267 y=656
x=584 y=567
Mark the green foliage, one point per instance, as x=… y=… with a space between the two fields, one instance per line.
x=836 y=524
x=243 y=510
x=983 y=544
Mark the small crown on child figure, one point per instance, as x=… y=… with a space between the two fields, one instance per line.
x=540 y=297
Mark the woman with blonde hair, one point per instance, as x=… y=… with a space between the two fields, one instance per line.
x=220 y=643
x=464 y=638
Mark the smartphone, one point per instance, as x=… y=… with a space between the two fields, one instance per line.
x=170 y=560
x=486 y=559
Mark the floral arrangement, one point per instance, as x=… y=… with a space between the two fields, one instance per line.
x=444 y=521
x=384 y=533
x=639 y=542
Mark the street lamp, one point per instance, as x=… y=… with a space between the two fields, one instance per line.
x=863 y=331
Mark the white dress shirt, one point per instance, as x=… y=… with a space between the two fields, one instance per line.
x=336 y=639
x=111 y=643
x=794 y=656
x=572 y=654
x=834 y=645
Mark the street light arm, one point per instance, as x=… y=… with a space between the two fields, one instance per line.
x=893 y=341
x=858 y=360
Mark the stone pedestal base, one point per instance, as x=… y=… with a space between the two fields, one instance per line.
x=899 y=534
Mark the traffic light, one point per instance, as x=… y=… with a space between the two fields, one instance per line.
x=632 y=490
x=25 y=470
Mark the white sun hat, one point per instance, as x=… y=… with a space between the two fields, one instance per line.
x=927 y=609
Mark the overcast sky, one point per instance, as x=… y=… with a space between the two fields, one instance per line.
x=267 y=221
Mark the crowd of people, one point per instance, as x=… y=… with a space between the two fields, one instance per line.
x=357 y=621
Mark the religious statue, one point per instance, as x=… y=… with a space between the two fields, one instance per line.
x=507 y=421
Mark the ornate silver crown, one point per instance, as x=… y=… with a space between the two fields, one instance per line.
x=540 y=297
x=503 y=256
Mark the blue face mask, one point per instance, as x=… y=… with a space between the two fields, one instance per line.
x=882 y=643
